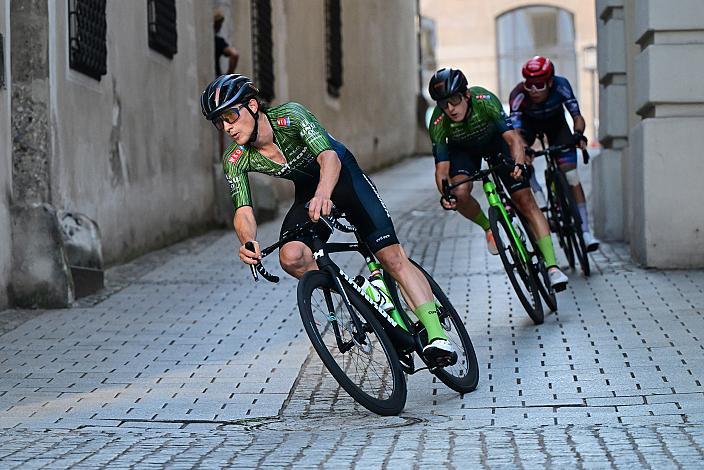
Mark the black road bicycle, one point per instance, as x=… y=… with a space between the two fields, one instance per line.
x=524 y=264
x=367 y=349
x=563 y=213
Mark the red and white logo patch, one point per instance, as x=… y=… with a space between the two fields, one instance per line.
x=438 y=119
x=283 y=121
x=235 y=155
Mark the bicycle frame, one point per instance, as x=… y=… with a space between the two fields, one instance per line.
x=492 y=195
x=397 y=324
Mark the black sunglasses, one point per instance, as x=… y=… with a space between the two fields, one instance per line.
x=231 y=116
x=454 y=100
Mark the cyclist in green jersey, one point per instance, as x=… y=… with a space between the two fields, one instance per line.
x=466 y=125
x=287 y=141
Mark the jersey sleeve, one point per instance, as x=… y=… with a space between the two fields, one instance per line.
x=496 y=111
x=568 y=99
x=438 y=136
x=236 y=177
x=516 y=102
x=313 y=134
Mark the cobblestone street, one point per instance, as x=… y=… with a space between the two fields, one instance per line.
x=184 y=361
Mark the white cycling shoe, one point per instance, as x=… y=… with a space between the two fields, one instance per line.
x=590 y=241
x=558 y=279
x=440 y=352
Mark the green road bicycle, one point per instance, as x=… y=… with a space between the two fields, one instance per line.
x=366 y=348
x=563 y=214
x=524 y=264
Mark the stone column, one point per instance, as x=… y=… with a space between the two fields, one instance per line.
x=5 y=157
x=607 y=190
x=40 y=272
x=666 y=164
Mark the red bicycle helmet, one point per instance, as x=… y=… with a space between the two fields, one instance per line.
x=539 y=69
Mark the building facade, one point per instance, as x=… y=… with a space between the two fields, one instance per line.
x=490 y=41
x=652 y=107
x=99 y=115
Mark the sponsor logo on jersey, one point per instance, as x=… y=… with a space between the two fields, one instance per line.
x=482 y=96
x=438 y=119
x=235 y=155
x=283 y=121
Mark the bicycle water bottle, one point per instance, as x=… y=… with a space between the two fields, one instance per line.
x=374 y=288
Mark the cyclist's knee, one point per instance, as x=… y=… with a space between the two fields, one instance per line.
x=463 y=193
x=294 y=257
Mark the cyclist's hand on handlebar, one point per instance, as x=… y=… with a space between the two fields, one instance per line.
x=251 y=257
x=517 y=172
x=579 y=140
x=448 y=203
x=319 y=205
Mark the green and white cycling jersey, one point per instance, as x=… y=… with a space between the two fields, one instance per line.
x=301 y=139
x=479 y=133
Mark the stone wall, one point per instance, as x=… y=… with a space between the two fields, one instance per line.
x=5 y=158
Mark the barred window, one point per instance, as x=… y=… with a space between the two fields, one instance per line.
x=162 y=26
x=2 y=61
x=87 y=29
x=262 y=48
x=333 y=46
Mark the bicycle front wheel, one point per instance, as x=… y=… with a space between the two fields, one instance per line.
x=573 y=223
x=462 y=376
x=521 y=274
x=364 y=363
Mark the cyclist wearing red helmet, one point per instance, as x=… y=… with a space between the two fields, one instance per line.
x=537 y=107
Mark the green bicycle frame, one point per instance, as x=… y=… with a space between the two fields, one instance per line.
x=494 y=200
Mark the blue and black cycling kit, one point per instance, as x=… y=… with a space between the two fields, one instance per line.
x=547 y=117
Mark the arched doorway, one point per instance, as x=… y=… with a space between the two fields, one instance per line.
x=534 y=30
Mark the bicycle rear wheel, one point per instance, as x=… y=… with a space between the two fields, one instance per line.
x=521 y=274
x=367 y=367
x=462 y=376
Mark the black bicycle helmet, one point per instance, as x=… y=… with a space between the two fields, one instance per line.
x=446 y=82
x=225 y=92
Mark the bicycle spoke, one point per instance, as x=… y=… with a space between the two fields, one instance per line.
x=369 y=370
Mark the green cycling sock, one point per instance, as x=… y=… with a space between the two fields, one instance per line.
x=481 y=220
x=428 y=316
x=546 y=248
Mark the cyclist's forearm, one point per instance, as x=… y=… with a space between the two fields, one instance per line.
x=442 y=172
x=515 y=144
x=579 y=124
x=245 y=224
x=329 y=173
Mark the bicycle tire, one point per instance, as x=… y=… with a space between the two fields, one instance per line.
x=546 y=290
x=463 y=376
x=320 y=328
x=513 y=266
x=574 y=219
x=560 y=218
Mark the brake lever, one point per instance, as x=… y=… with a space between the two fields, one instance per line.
x=252 y=267
x=447 y=196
